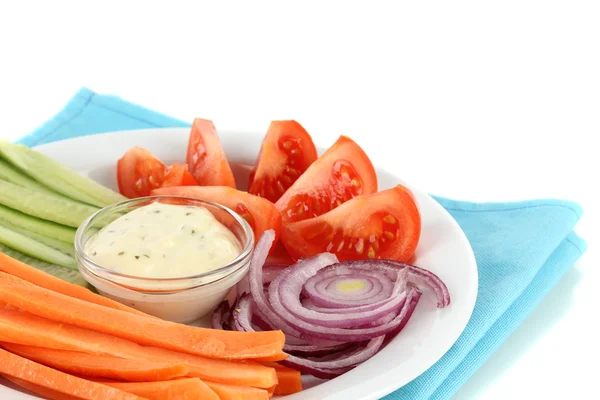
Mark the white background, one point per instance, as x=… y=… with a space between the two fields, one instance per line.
x=476 y=100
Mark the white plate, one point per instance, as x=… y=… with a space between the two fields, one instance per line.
x=443 y=249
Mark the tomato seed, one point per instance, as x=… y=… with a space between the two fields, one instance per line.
x=371 y=252
x=360 y=245
x=390 y=219
x=389 y=235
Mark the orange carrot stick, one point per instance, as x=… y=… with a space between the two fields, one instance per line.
x=273 y=358
x=177 y=389
x=230 y=392
x=42 y=391
x=40 y=375
x=27 y=329
x=290 y=380
x=47 y=281
x=205 y=342
x=74 y=362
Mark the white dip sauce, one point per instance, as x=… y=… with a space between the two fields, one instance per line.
x=164 y=241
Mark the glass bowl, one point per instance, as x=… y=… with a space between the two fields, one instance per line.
x=181 y=299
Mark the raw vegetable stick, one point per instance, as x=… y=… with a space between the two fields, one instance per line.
x=177 y=389
x=274 y=358
x=11 y=174
x=35 y=249
x=40 y=390
x=230 y=392
x=56 y=176
x=22 y=368
x=63 y=247
x=26 y=329
x=45 y=280
x=78 y=363
x=44 y=206
x=41 y=226
x=204 y=342
x=60 y=273
x=289 y=380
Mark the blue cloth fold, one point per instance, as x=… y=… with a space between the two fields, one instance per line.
x=522 y=248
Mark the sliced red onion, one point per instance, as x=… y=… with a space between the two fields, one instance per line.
x=242 y=314
x=418 y=276
x=334 y=366
x=255 y=279
x=368 y=304
x=406 y=312
x=218 y=315
x=329 y=330
x=270 y=272
x=296 y=363
x=293 y=282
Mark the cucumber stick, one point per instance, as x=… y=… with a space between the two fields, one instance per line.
x=58 y=177
x=66 y=274
x=44 y=206
x=35 y=249
x=11 y=217
x=12 y=175
x=63 y=247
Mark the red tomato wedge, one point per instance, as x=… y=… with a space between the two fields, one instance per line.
x=344 y=171
x=138 y=172
x=384 y=225
x=178 y=175
x=260 y=213
x=205 y=156
x=286 y=152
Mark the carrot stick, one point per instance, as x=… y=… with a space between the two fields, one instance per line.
x=42 y=391
x=205 y=342
x=47 y=281
x=273 y=358
x=230 y=392
x=40 y=375
x=178 y=389
x=290 y=380
x=27 y=329
x=75 y=362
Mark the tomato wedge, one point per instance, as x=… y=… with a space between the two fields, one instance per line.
x=260 y=213
x=205 y=156
x=383 y=225
x=178 y=175
x=344 y=171
x=138 y=172
x=286 y=152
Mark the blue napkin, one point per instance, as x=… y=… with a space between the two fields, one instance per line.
x=522 y=248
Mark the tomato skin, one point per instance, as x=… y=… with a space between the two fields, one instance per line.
x=286 y=152
x=260 y=213
x=139 y=172
x=384 y=225
x=205 y=156
x=178 y=175
x=344 y=171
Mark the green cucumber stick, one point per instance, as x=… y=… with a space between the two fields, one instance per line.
x=40 y=226
x=44 y=206
x=35 y=249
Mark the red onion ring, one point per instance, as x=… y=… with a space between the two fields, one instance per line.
x=328 y=330
x=343 y=318
x=318 y=288
x=217 y=317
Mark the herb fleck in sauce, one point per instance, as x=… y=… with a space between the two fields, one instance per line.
x=166 y=240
